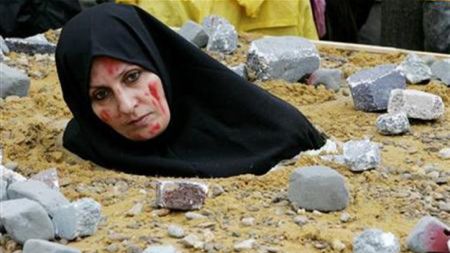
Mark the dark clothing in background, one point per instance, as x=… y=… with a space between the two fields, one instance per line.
x=23 y=18
x=221 y=125
x=436 y=26
x=344 y=18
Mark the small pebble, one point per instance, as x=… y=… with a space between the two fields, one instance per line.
x=445 y=153
x=192 y=241
x=194 y=216
x=301 y=220
x=345 y=217
x=244 y=245
x=112 y=248
x=175 y=231
x=248 y=221
x=337 y=245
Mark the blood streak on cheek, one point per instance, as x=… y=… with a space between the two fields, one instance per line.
x=155 y=94
x=155 y=128
x=105 y=116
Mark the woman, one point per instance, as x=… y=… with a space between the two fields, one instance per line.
x=146 y=101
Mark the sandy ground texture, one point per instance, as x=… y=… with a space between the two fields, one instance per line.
x=412 y=181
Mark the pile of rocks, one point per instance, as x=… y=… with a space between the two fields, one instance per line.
x=34 y=212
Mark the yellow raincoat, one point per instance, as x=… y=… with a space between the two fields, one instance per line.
x=272 y=17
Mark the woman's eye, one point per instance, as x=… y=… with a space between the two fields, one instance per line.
x=132 y=76
x=100 y=94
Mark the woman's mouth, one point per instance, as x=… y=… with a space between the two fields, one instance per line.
x=139 y=122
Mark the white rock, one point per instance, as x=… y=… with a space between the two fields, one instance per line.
x=244 y=245
x=416 y=104
x=175 y=231
x=445 y=153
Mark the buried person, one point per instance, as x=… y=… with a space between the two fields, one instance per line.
x=146 y=101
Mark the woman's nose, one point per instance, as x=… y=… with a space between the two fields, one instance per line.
x=126 y=103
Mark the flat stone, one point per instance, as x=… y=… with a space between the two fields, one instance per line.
x=79 y=218
x=331 y=78
x=180 y=195
x=244 y=245
x=3 y=47
x=13 y=82
x=37 y=44
x=222 y=35
x=318 y=188
x=416 y=104
x=194 y=33
x=393 y=123
x=283 y=57
x=175 y=231
x=38 y=191
x=25 y=219
x=361 y=155
x=41 y=246
x=440 y=70
x=429 y=235
x=192 y=241
x=371 y=88
x=161 y=249
x=375 y=241
x=415 y=69
x=3 y=193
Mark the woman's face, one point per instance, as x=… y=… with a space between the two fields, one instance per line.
x=128 y=98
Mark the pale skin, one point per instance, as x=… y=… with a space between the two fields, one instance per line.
x=128 y=98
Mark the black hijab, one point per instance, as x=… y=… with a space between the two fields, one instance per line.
x=221 y=125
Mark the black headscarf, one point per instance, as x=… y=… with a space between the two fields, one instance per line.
x=221 y=125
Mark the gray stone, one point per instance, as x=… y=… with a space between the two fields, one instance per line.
x=415 y=69
x=10 y=176
x=441 y=71
x=3 y=47
x=244 y=245
x=192 y=241
x=194 y=33
x=37 y=44
x=2 y=56
x=180 y=195
x=41 y=246
x=286 y=57
x=444 y=153
x=194 y=216
x=49 y=177
x=222 y=35
x=375 y=241
x=361 y=155
x=318 y=188
x=241 y=70
x=25 y=219
x=38 y=191
x=3 y=193
x=429 y=60
x=13 y=82
x=79 y=218
x=161 y=249
x=393 y=123
x=416 y=104
x=175 y=231
x=429 y=235
x=331 y=78
x=371 y=88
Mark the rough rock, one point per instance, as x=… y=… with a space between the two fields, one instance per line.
x=13 y=82
x=194 y=33
x=161 y=249
x=284 y=57
x=241 y=70
x=41 y=246
x=375 y=241
x=415 y=69
x=38 y=191
x=222 y=34
x=318 y=188
x=25 y=219
x=49 y=177
x=416 y=104
x=361 y=155
x=371 y=88
x=79 y=218
x=393 y=123
x=10 y=176
x=331 y=78
x=429 y=235
x=440 y=70
x=180 y=195
x=36 y=44
x=3 y=193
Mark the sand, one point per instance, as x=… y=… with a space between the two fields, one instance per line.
x=392 y=197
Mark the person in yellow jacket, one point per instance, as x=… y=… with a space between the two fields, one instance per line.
x=271 y=17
